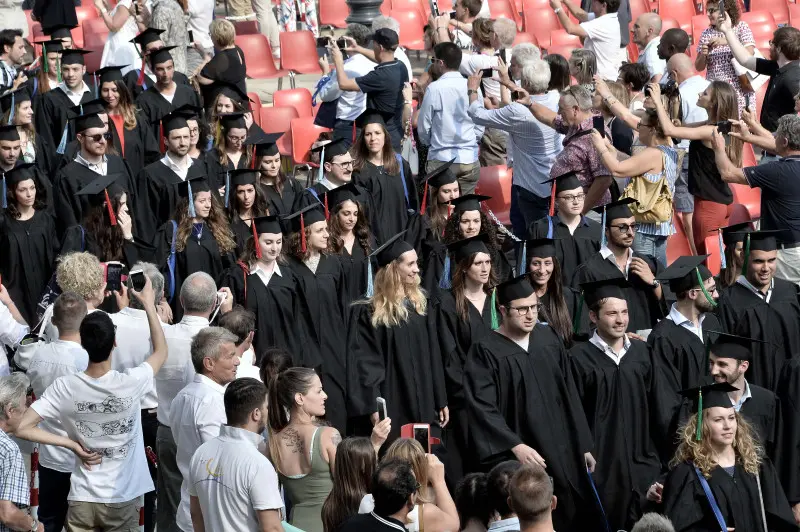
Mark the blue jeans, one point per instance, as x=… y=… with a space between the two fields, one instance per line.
x=526 y=208
x=653 y=245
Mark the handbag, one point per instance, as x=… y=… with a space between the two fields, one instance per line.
x=654 y=199
x=408 y=150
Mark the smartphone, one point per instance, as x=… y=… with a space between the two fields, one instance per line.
x=191 y=36
x=137 y=280
x=516 y=95
x=322 y=42
x=221 y=297
x=487 y=73
x=322 y=52
x=724 y=127
x=341 y=43
x=453 y=15
x=599 y=124
x=422 y=435
x=381 y=403
x=503 y=56
x=113 y=275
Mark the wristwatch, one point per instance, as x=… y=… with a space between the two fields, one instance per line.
x=655 y=283
x=557 y=10
x=471 y=91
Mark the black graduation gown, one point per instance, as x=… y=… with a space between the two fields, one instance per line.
x=54 y=12
x=130 y=79
x=515 y=396
x=573 y=299
x=278 y=311
x=201 y=254
x=315 y=192
x=215 y=169
x=241 y=232
x=51 y=117
x=787 y=454
x=387 y=191
x=431 y=251
x=455 y=337
x=686 y=505
x=762 y=411
x=644 y=308
x=70 y=208
x=743 y=312
x=76 y=239
x=354 y=266
x=158 y=189
x=154 y=107
x=629 y=413
x=282 y=204
x=141 y=147
x=402 y=364
x=44 y=158
x=572 y=250
x=27 y=260
x=323 y=294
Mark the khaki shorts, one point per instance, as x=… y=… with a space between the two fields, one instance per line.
x=116 y=516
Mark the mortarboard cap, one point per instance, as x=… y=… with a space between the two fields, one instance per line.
x=264 y=143
x=147 y=36
x=441 y=176
x=162 y=55
x=91 y=107
x=615 y=209
x=735 y=233
x=21 y=172
x=97 y=192
x=109 y=73
x=230 y=121
x=88 y=121
x=541 y=248
x=469 y=202
x=59 y=31
x=596 y=291
x=9 y=132
x=331 y=149
x=242 y=176
x=51 y=46
x=732 y=346
x=306 y=216
x=177 y=118
x=11 y=99
x=568 y=181
x=766 y=240
x=73 y=56
x=708 y=396
x=231 y=90
x=338 y=195
x=686 y=273
x=197 y=184
x=517 y=288
x=263 y=224
x=465 y=248
x=372 y=116
x=391 y=250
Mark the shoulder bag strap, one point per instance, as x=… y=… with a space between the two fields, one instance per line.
x=403 y=177
x=761 y=502
x=83 y=238
x=171 y=260
x=313 y=193
x=711 y=500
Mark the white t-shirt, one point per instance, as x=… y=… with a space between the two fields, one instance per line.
x=604 y=40
x=649 y=58
x=104 y=415
x=401 y=56
x=232 y=480
x=472 y=63
x=134 y=346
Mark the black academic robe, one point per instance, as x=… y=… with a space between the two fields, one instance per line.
x=762 y=411
x=216 y=170
x=241 y=232
x=54 y=12
x=141 y=147
x=70 y=208
x=744 y=313
x=629 y=414
x=515 y=396
x=132 y=77
x=323 y=295
x=644 y=308
x=316 y=192
x=201 y=254
x=402 y=364
x=78 y=239
x=455 y=337
x=787 y=454
x=154 y=106
x=572 y=249
x=51 y=117
x=573 y=300
x=394 y=199
x=430 y=248
x=282 y=203
x=44 y=157
x=159 y=191
x=27 y=261
x=355 y=265
x=278 y=310
x=686 y=505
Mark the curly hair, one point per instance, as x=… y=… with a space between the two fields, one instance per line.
x=361 y=231
x=260 y=205
x=216 y=221
x=80 y=272
x=459 y=282
x=296 y=248
x=388 y=303
x=109 y=237
x=749 y=452
x=452 y=229
x=39 y=204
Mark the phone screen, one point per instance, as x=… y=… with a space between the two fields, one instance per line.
x=138 y=280
x=487 y=73
x=322 y=42
x=421 y=435
x=114 y=276
x=381 y=402
x=599 y=124
x=191 y=36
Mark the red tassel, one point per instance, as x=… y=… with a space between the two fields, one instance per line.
x=140 y=79
x=253 y=159
x=424 y=199
x=327 y=214
x=302 y=234
x=111 y=215
x=553 y=200
x=255 y=238
x=161 y=144
x=354 y=132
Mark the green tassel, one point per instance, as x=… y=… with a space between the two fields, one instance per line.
x=746 y=254
x=703 y=288
x=699 y=435
x=576 y=322
x=495 y=322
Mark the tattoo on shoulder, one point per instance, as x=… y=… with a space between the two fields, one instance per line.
x=336 y=438
x=293 y=441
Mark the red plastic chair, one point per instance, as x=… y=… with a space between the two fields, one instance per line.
x=255 y=106
x=31 y=22
x=412 y=5
x=699 y=24
x=714 y=260
x=246 y=27
x=779 y=9
x=541 y=22
x=300 y=99
x=763 y=25
x=748 y=156
x=677 y=244
x=562 y=38
x=304 y=134
x=412 y=28
x=333 y=14
x=85 y=13
x=259 y=59
x=526 y=37
x=794 y=15
x=445 y=6
x=299 y=53
x=279 y=120
x=565 y=51
x=750 y=198
x=669 y=23
x=639 y=7
x=386 y=8
x=680 y=10
x=505 y=9
x=495 y=181
x=95 y=34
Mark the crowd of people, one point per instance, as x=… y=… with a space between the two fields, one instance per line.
x=197 y=341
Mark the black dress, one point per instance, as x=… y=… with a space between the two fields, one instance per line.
x=394 y=200
x=572 y=249
x=354 y=265
x=158 y=189
x=227 y=66
x=216 y=170
x=787 y=454
x=141 y=147
x=431 y=251
x=282 y=203
x=27 y=261
x=55 y=12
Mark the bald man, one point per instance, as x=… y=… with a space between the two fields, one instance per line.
x=645 y=32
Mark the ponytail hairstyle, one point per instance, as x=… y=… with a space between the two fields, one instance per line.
x=282 y=391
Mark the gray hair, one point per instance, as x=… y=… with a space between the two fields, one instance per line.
x=198 y=293
x=506 y=31
x=789 y=128
x=581 y=95
x=524 y=52
x=208 y=344
x=359 y=33
x=535 y=76
x=13 y=392
x=68 y=312
x=653 y=522
x=386 y=22
x=156 y=279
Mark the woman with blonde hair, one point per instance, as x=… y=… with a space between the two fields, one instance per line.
x=227 y=65
x=720 y=478
x=17 y=109
x=583 y=67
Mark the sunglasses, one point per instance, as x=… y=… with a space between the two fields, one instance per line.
x=98 y=137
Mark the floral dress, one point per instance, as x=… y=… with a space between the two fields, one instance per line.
x=169 y=16
x=719 y=66
x=308 y=15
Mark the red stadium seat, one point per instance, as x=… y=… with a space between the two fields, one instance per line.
x=779 y=9
x=562 y=38
x=495 y=181
x=750 y=198
x=677 y=244
x=95 y=34
x=699 y=24
x=763 y=25
x=299 y=53
x=565 y=51
x=794 y=15
x=279 y=120
x=386 y=7
x=259 y=59
x=304 y=134
x=505 y=9
x=333 y=14
x=714 y=260
x=668 y=23
x=412 y=5
x=748 y=156
x=639 y=7
x=680 y=10
x=446 y=6
x=300 y=99
x=541 y=22
x=246 y=27
x=85 y=13
x=255 y=106
x=412 y=28
x=525 y=37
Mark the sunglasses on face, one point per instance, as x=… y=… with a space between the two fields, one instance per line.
x=98 y=137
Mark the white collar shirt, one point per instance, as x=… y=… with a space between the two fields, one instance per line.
x=505 y=525
x=266 y=276
x=177 y=371
x=98 y=168
x=179 y=170
x=607 y=254
x=74 y=96
x=601 y=344
x=742 y=280
x=744 y=398
x=682 y=321
x=134 y=346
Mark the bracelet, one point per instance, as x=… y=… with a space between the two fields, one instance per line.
x=557 y=10
x=407 y=102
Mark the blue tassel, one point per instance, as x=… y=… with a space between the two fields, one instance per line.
x=723 y=261
x=227 y=187
x=321 y=164
x=370 y=285
x=192 y=213
x=444 y=282
x=11 y=117
x=603 y=229
x=62 y=146
x=96 y=87
x=5 y=200
x=549 y=227
x=523 y=259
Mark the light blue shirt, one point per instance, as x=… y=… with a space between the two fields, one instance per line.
x=444 y=123
x=534 y=145
x=682 y=321
x=745 y=396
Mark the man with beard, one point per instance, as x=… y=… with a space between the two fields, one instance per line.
x=231 y=484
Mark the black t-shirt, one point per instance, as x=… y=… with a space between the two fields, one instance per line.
x=780 y=195
x=384 y=89
x=704 y=179
x=227 y=66
x=781 y=90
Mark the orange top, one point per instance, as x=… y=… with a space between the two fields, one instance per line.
x=119 y=123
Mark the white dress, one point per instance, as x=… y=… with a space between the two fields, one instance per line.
x=119 y=51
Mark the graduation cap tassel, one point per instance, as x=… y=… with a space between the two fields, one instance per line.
x=227 y=188
x=553 y=200
x=603 y=229
x=96 y=86
x=523 y=259
x=192 y=213
x=140 y=79
x=327 y=212
x=255 y=239
x=5 y=200
x=746 y=253
x=703 y=288
x=370 y=285
x=302 y=234
x=699 y=435
x=253 y=159
x=576 y=322
x=495 y=322
x=111 y=216
x=161 y=144
x=62 y=145
x=11 y=113
x=444 y=282
x=321 y=164
x=58 y=68
x=723 y=260
x=424 y=199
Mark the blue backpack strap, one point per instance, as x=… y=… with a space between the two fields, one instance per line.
x=35 y=86
x=324 y=80
x=607 y=528
x=171 y=260
x=711 y=500
x=403 y=178
x=83 y=238
x=313 y=193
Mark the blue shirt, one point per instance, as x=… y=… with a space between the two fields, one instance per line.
x=13 y=478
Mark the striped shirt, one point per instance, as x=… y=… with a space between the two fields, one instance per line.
x=13 y=478
x=8 y=73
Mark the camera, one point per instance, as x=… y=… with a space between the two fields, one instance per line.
x=724 y=127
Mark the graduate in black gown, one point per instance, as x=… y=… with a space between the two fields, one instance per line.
x=787 y=454
x=54 y=14
x=758 y=305
x=282 y=191
x=17 y=109
x=732 y=254
x=142 y=78
x=617 y=258
x=200 y=237
x=462 y=316
x=520 y=404
x=153 y=104
x=391 y=349
x=263 y=284
x=577 y=237
x=722 y=455
x=11 y=157
x=323 y=294
x=349 y=237
x=385 y=175
x=229 y=151
x=246 y=201
x=626 y=404
x=28 y=239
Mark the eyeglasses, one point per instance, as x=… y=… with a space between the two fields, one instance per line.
x=345 y=164
x=710 y=290
x=98 y=137
x=572 y=198
x=642 y=124
x=523 y=311
x=624 y=228
x=236 y=139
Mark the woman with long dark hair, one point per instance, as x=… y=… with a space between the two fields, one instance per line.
x=350 y=237
x=323 y=292
x=281 y=190
x=245 y=201
x=18 y=110
x=228 y=152
x=28 y=239
x=385 y=175
x=356 y=461
x=733 y=239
